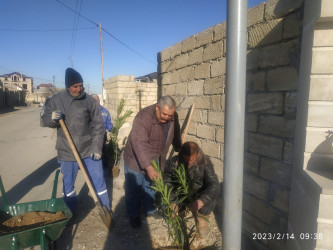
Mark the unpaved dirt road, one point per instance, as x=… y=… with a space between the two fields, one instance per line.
x=28 y=169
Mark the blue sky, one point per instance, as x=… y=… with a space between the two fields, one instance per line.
x=37 y=37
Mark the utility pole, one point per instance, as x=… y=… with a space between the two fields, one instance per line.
x=100 y=36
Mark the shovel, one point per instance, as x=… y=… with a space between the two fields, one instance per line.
x=103 y=211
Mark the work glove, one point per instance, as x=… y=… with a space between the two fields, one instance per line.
x=56 y=116
x=95 y=156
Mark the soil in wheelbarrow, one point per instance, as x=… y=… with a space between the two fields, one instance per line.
x=29 y=220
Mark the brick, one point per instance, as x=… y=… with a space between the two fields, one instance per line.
x=211 y=148
x=270 y=103
x=216 y=118
x=213 y=51
x=292 y=25
x=290 y=104
x=275 y=171
x=258 y=208
x=277 y=125
x=265 y=33
x=214 y=86
x=202 y=71
x=281 y=54
x=206 y=132
x=255 y=15
x=251 y=163
x=279 y=8
x=195 y=88
x=256 y=186
x=195 y=56
x=218 y=68
x=266 y=146
x=282 y=78
x=220 y=135
x=251 y=122
x=188 y=44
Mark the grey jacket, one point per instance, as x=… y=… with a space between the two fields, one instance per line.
x=84 y=122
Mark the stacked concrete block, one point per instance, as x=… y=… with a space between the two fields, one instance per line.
x=194 y=71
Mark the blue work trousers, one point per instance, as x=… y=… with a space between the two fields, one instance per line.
x=94 y=170
x=137 y=185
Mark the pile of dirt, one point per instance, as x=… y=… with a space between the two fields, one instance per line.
x=29 y=220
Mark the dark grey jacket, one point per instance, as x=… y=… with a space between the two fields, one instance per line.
x=205 y=183
x=84 y=122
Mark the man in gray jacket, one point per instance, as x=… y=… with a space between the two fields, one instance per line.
x=154 y=129
x=81 y=113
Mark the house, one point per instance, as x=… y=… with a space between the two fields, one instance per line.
x=17 y=82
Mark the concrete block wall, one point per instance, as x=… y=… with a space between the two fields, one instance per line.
x=137 y=95
x=193 y=71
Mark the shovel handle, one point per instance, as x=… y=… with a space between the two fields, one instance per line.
x=78 y=159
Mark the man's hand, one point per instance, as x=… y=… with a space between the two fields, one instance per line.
x=56 y=116
x=152 y=174
x=95 y=156
x=196 y=205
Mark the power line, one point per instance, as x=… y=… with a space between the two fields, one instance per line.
x=107 y=32
x=76 y=24
x=44 y=30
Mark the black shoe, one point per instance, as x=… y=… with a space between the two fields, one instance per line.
x=135 y=222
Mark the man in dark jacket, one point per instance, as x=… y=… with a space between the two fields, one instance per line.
x=154 y=129
x=205 y=185
x=81 y=113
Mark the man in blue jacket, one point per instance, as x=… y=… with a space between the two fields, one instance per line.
x=83 y=118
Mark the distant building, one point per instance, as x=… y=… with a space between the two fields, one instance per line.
x=45 y=90
x=147 y=78
x=17 y=82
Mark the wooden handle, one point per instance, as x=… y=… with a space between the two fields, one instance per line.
x=188 y=123
x=78 y=159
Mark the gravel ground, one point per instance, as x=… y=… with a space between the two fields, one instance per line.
x=89 y=232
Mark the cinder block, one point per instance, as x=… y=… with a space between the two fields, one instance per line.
x=202 y=102
x=277 y=125
x=200 y=116
x=210 y=148
x=290 y=104
x=218 y=168
x=181 y=88
x=253 y=59
x=216 y=104
x=195 y=56
x=204 y=37
x=220 y=135
x=292 y=25
x=265 y=33
x=180 y=61
x=195 y=88
x=279 y=8
x=270 y=103
x=175 y=49
x=218 y=68
x=206 y=132
x=220 y=31
x=275 y=171
x=251 y=122
x=169 y=89
x=188 y=44
x=257 y=81
x=282 y=78
x=213 y=51
x=255 y=15
x=202 y=71
x=280 y=198
x=251 y=163
x=165 y=54
x=266 y=146
x=214 y=86
x=288 y=153
x=256 y=186
x=216 y=118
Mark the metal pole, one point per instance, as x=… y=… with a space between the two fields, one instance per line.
x=234 y=123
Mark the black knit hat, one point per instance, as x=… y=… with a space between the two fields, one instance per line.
x=72 y=77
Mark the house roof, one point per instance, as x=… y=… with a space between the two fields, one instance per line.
x=147 y=78
x=14 y=73
x=45 y=85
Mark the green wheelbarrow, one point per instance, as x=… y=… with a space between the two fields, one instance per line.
x=41 y=235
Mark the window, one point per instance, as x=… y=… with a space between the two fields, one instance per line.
x=25 y=86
